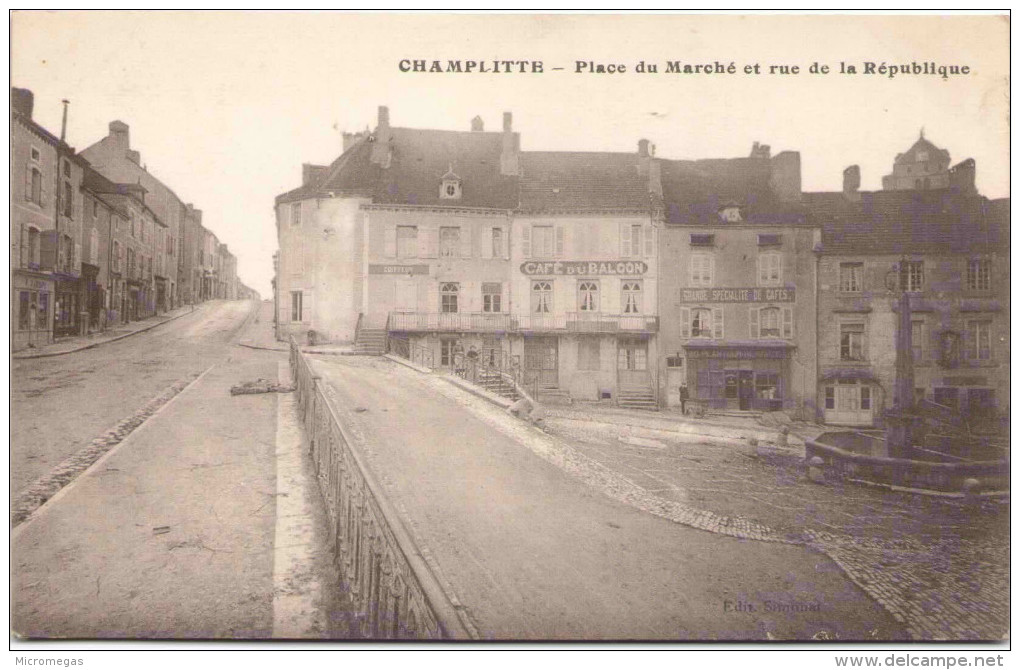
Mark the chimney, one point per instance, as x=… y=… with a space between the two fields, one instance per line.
x=642 y=148
x=761 y=151
x=852 y=182
x=63 y=122
x=381 y=153
x=22 y=101
x=962 y=177
x=785 y=177
x=477 y=125
x=509 y=159
x=310 y=172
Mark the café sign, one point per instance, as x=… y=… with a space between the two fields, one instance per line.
x=775 y=294
x=737 y=353
x=584 y=268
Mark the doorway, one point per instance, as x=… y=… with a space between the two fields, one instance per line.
x=541 y=360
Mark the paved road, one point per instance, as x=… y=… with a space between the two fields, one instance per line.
x=533 y=552
x=176 y=531
x=59 y=404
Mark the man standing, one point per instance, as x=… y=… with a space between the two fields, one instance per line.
x=684 y=395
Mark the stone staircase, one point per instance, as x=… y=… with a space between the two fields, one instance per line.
x=637 y=397
x=494 y=382
x=371 y=342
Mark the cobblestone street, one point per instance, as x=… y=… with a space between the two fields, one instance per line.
x=938 y=566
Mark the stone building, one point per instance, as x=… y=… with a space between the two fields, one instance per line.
x=738 y=307
x=949 y=249
x=923 y=166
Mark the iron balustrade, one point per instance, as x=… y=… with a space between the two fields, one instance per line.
x=382 y=571
x=488 y=322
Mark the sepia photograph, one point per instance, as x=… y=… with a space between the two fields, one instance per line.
x=633 y=329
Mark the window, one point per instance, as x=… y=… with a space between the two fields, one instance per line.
x=296 y=306
x=492 y=296
x=94 y=246
x=95 y=209
x=851 y=342
x=295 y=214
x=830 y=397
x=768 y=320
x=543 y=242
x=588 y=354
x=407 y=241
x=849 y=395
x=698 y=240
x=701 y=323
x=771 y=322
x=68 y=199
x=979 y=274
x=116 y=256
x=979 y=340
x=448 y=293
x=770 y=269
x=766 y=386
x=917 y=340
x=449 y=242
x=674 y=361
x=497 y=243
x=631 y=294
x=35 y=154
x=702 y=266
x=67 y=169
x=765 y=240
x=912 y=275
x=25 y=308
x=851 y=277
x=588 y=296
x=541 y=297
x=447 y=349
x=33 y=190
x=630 y=240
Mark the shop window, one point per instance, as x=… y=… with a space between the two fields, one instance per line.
x=732 y=386
x=449 y=242
x=42 y=312
x=830 y=397
x=25 y=308
x=448 y=297
x=588 y=353
x=851 y=277
x=296 y=306
x=947 y=396
x=851 y=342
x=541 y=297
x=702 y=269
x=492 y=296
x=912 y=275
x=770 y=269
x=407 y=241
x=979 y=340
x=766 y=386
x=631 y=291
x=979 y=274
x=588 y=296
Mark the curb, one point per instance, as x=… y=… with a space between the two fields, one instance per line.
x=407 y=363
x=96 y=344
x=484 y=395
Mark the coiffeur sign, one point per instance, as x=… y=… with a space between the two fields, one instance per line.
x=584 y=268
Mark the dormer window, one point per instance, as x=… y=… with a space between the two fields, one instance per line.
x=450 y=190
x=922 y=156
x=730 y=214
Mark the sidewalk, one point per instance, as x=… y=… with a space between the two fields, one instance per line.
x=120 y=331
x=261 y=335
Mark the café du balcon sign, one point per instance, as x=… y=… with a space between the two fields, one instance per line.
x=754 y=294
x=584 y=268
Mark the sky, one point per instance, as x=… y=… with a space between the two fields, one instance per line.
x=224 y=107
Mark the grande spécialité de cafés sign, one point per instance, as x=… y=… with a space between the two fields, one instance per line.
x=584 y=268
x=754 y=294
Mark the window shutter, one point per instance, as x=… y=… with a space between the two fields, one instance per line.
x=489 y=235
x=762 y=279
x=624 y=240
x=526 y=241
x=559 y=241
x=779 y=268
x=390 y=242
x=691 y=270
x=717 y=323
x=42 y=190
x=24 y=246
x=685 y=323
x=76 y=261
x=754 y=323
x=506 y=242
x=465 y=241
x=428 y=242
x=28 y=183
x=434 y=301
x=787 y=322
x=635 y=241
x=650 y=243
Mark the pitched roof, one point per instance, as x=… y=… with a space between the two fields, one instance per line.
x=579 y=181
x=895 y=222
x=909 y=156
x=693 y=192
x=351 y=172
x=421 y=157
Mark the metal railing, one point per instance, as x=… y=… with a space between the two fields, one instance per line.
x=381 y=568
x=416 y=353
x=497 y=363
x=486 y=322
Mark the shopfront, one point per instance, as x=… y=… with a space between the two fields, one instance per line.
x=67 y=308
x=32 y=299
x=734 y=376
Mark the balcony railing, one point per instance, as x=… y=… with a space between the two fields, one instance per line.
x=485 y=322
